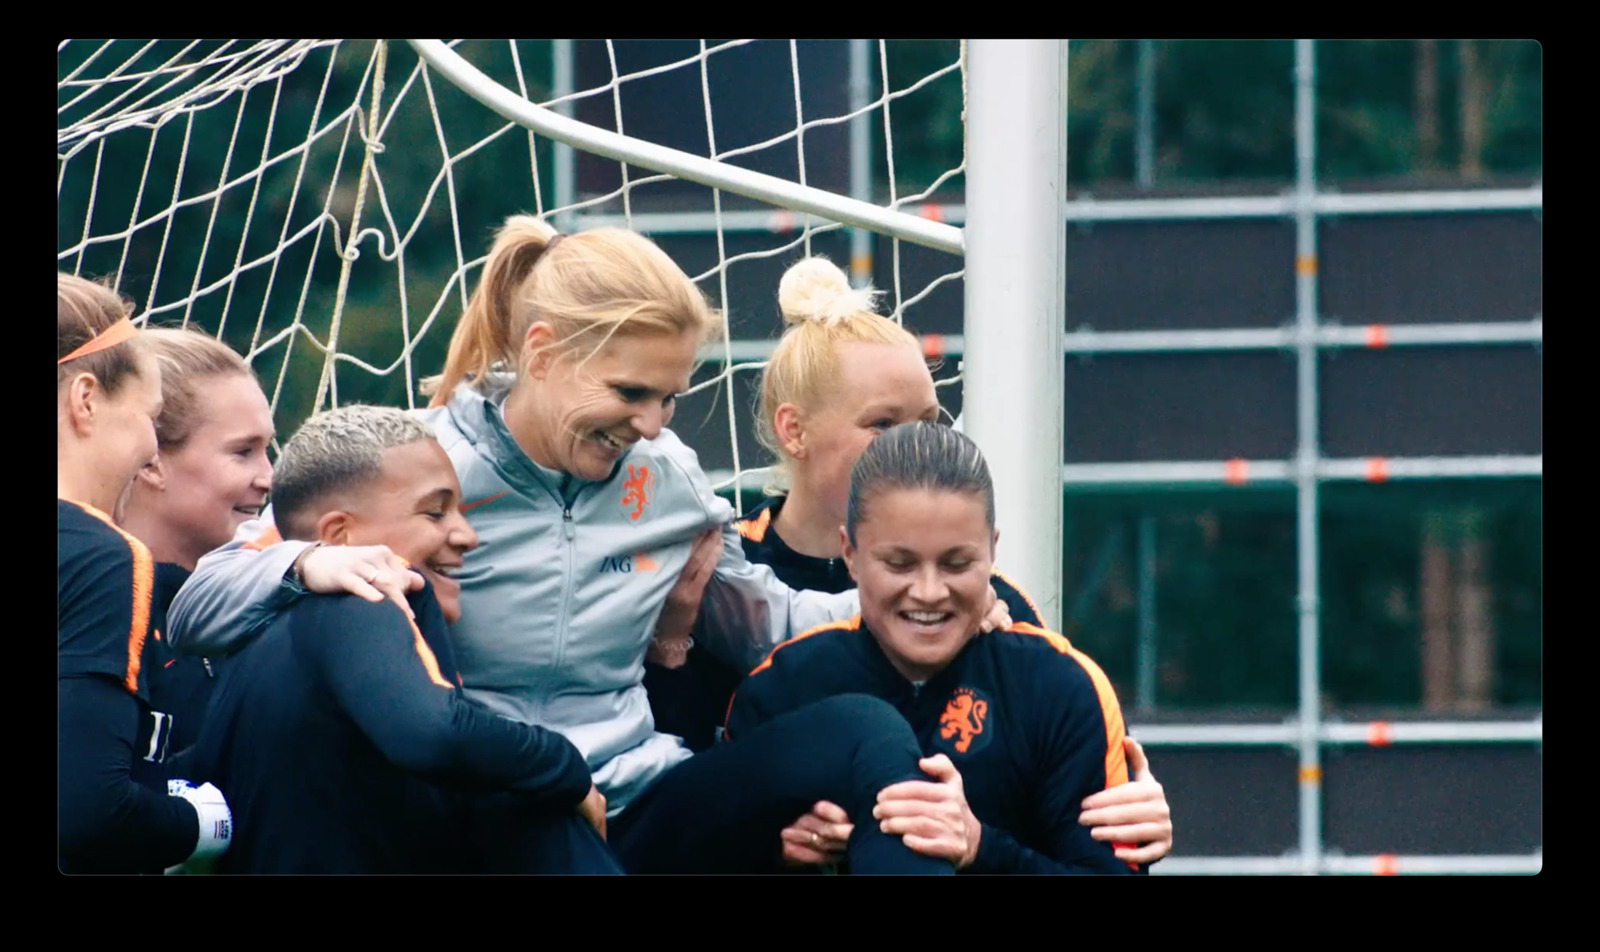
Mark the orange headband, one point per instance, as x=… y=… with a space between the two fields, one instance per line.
x=110 y=337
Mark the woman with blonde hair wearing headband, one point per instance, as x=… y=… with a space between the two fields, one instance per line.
x=108 y=396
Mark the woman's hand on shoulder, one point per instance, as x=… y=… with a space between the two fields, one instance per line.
x=372 y=572
x=998 y=614
x=1133 y=815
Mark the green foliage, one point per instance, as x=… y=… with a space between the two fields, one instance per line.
x=1224 y=111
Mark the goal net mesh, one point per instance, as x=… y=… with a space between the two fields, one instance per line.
x=324 y=206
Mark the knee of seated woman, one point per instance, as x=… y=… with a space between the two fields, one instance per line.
x=861 y=715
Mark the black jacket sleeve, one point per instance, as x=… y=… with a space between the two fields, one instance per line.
x=381 y=671
x=756 y=701
x=108 y=823
x=1082 y=742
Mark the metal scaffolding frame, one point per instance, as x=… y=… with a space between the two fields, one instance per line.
x=1306 y=336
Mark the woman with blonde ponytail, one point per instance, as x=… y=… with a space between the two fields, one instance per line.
x=599 y=532
x=841 y=376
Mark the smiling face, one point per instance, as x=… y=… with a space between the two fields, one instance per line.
x=921 y=562
x=879 y=386
x=580 y=416
x=219 y=477
x=413 y=508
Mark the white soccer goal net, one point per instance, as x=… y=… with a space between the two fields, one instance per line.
x=324 y=206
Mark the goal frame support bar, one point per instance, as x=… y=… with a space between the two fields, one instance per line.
x=684 y=165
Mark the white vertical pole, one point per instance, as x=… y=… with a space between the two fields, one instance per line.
x=562 y=83
x=1308 y=610
x=860 y=158
x=1015 y=292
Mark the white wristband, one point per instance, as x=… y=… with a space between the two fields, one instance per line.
x=215 y=819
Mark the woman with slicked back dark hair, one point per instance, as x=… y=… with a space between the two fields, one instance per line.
x=1017 y=727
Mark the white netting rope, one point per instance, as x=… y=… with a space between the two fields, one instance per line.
x=294 y=153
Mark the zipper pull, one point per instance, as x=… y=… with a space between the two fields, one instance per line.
x=567 y=525
x=207 y=663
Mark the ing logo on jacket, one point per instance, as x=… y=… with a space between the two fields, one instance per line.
x=963 y=720
x=637 y=562
x=637 y=490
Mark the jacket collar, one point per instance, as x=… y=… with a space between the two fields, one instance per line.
x=939 y=684
x=797 y=569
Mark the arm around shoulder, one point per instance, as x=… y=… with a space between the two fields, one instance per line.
x=232 y=594
x=747 y=611
x=1082 y=753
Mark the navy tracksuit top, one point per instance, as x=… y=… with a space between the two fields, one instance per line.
x=1031 y=723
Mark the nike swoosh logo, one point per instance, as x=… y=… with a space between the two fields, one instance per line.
x=466 y=506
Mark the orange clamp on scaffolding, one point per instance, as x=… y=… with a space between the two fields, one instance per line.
x=1378 y=734
x=1377 y=336
x=1235 y=472
x=861 y=265
x=1377 y=469
x=1384 y=865
x=933 y=346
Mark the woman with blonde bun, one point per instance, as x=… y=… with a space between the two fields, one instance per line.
x=842 y=375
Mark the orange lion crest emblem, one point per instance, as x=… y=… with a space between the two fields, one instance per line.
x=637 y=490
x=963 y=719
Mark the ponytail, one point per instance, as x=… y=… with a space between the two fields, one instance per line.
x=484 y=337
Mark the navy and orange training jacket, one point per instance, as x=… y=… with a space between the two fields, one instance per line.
x=114 y=815
x=340 y=734
x=691 y=701
x=1030 y=722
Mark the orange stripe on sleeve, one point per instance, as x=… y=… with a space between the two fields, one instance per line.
x=430 y=662
x=849 y=624
x=269 y=537
x=144 y=578
x=1116 y=757
x=144 y=586
x=1111 y=712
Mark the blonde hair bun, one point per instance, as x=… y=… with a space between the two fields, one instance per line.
x=814 y=289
